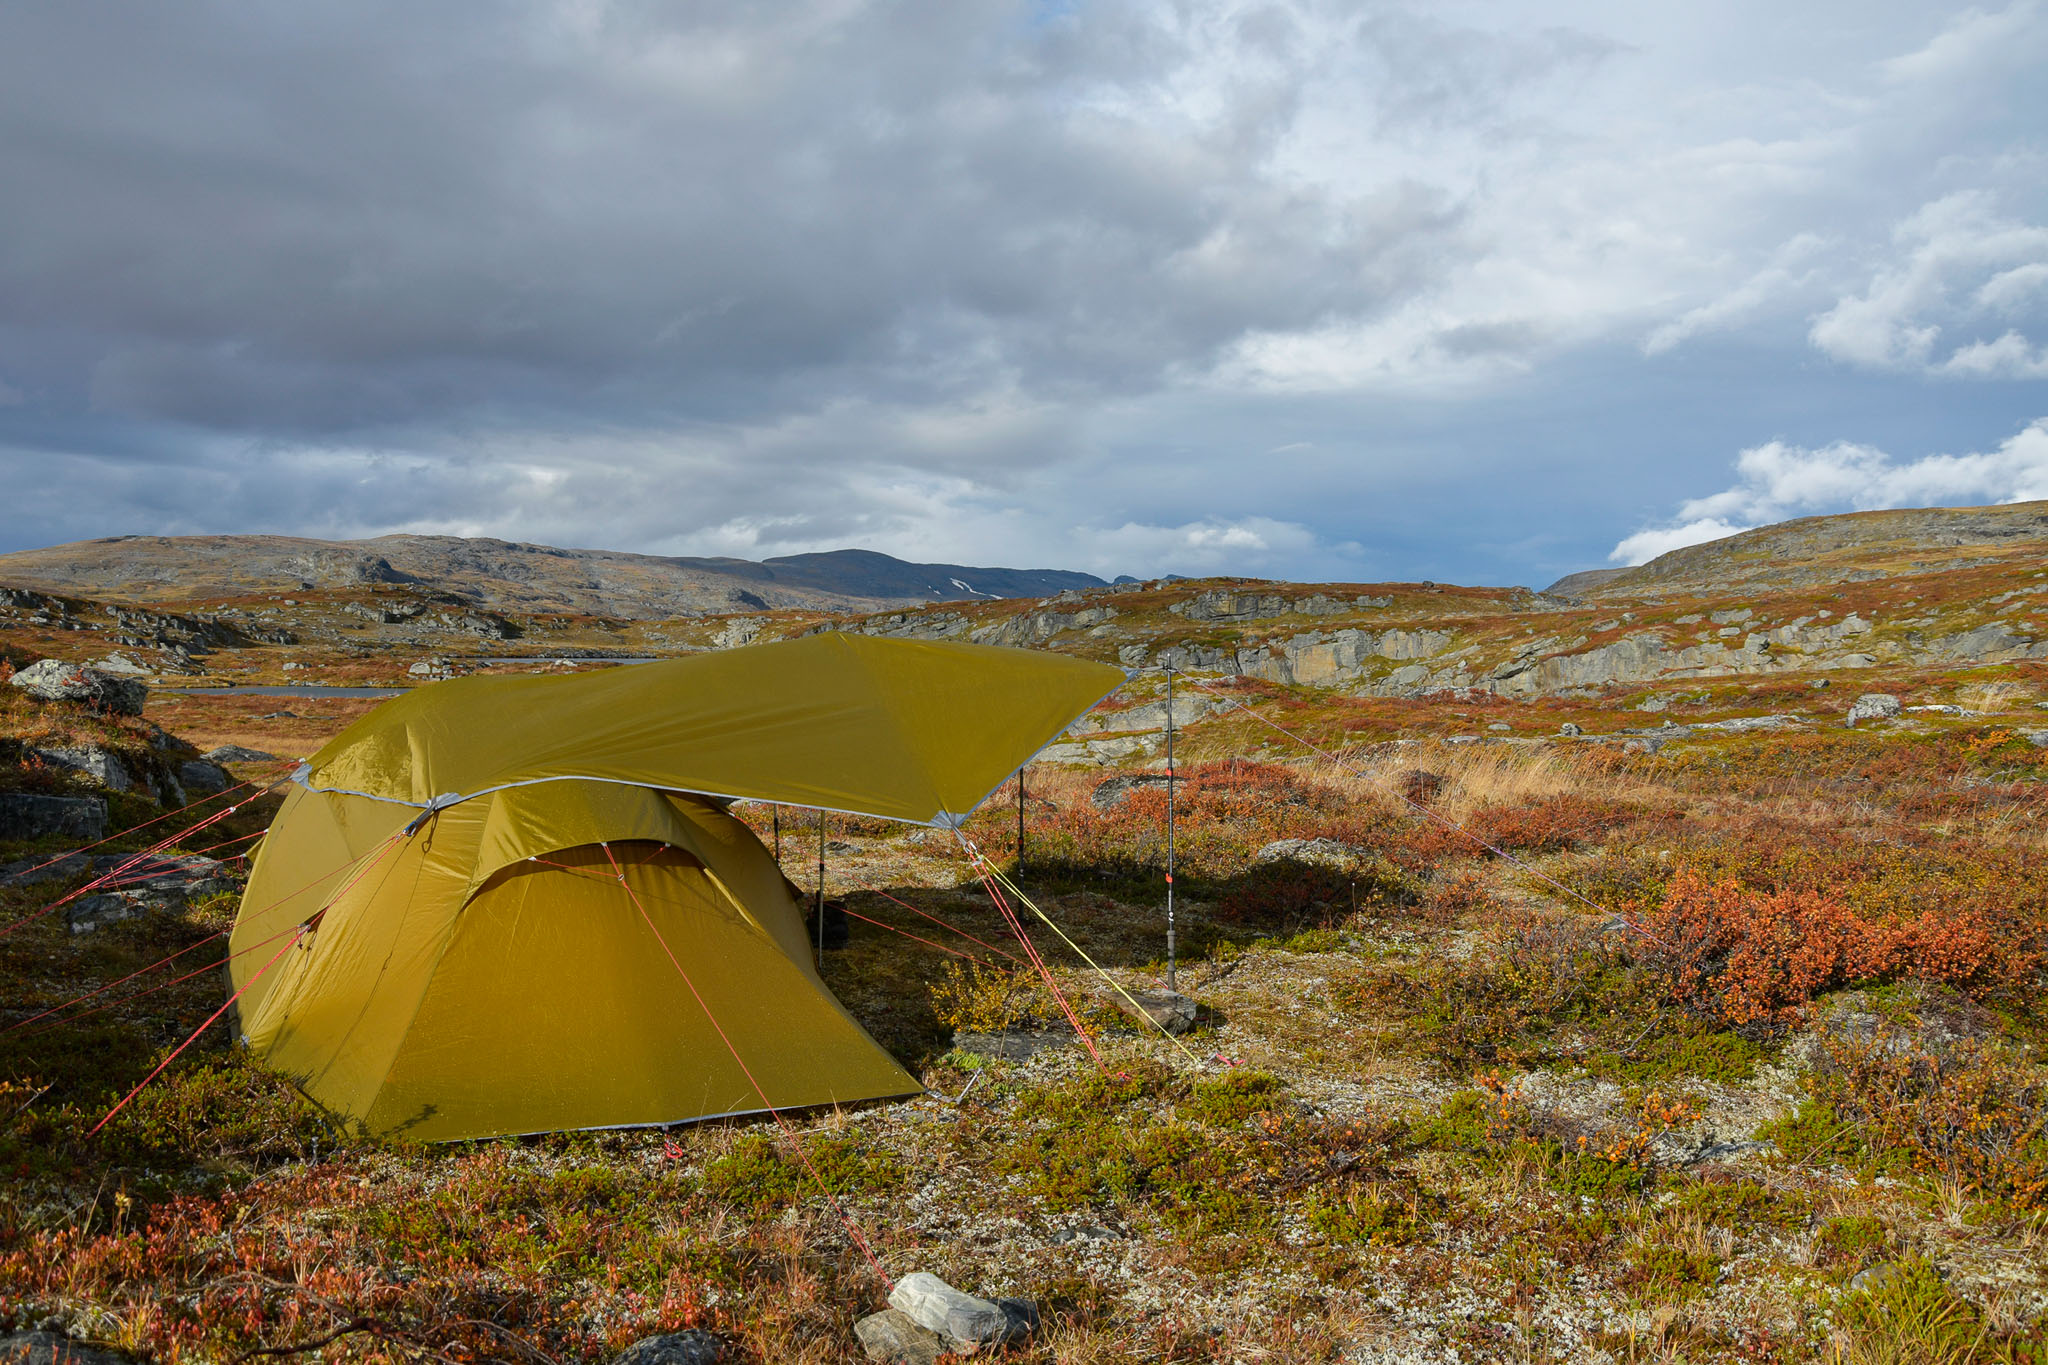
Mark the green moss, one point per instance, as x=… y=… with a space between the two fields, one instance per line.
x=759 y=1175
x=1231 y=1098
x=1743 y=1204
x=1851 y=1239
x=1372 y=1214
x=1660 y=1272
x=1596 y=1178
x=1460 y=1123
x=1814 y=1132
x=1722 y=1056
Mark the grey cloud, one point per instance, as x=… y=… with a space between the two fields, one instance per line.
x=330 y=216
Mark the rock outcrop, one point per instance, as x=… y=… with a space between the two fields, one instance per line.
x=31 y=815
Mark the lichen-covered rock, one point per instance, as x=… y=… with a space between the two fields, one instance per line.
x=56 y=680
x=47 y=1348
x=1110 y=793
x=692 y=1347
x=1311 y=852
x=892 y=1337
x=1874 y=706
x=1169 y=1010
x=90 y=759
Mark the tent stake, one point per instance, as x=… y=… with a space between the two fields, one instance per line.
x=1170 y=983
x=821 y=891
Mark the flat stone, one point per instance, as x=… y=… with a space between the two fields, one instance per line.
x=1170 y=1010
x=894 y=1338
x=1013 y=1045
x=47 y=1348
x=29 y=815
x=692 y=1347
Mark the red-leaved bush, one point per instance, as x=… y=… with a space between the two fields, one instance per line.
x=1743 y=955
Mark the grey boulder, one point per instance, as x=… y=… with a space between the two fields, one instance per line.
x=933 y=1304
x=205 y=778
x=56 y=680
x=1874 y=706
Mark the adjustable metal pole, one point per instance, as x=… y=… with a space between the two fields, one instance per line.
x=821 y=891
x=778 y=836
x=1020 y=824
x=1170 y=984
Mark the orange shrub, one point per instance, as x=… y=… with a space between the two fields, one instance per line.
x=1744 y=955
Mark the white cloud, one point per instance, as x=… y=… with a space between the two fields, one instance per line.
x=1781 y=279
x=1974 y=39
x=1958 y=260
x=1778 y=481
x=1644 y=546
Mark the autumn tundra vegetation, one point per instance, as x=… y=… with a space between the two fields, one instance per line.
x=1592 y=1038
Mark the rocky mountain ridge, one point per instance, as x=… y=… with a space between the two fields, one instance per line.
x=1811 y=551
x=499 y=576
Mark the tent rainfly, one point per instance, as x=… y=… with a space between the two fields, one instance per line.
x=462 y=921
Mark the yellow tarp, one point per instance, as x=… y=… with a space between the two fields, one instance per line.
x=911 y=730
x=479 y=968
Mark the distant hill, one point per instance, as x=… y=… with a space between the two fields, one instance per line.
x=1850 y=547
x=510 y=576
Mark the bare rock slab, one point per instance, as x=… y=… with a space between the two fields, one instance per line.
x=1874 y=706
x=963 y=1318
x=894 y=1338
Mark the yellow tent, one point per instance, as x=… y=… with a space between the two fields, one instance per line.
x=517 y=904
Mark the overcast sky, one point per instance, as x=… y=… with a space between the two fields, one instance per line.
x=1475 y=292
